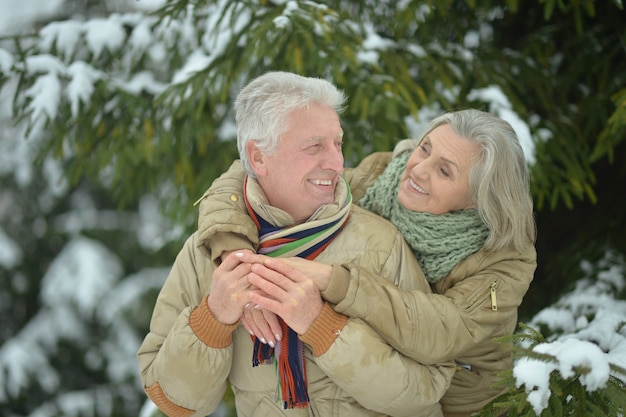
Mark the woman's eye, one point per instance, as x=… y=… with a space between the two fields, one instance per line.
x=444 y=172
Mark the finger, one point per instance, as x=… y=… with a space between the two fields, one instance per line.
x=248 y=314
x=232 y=259
x=263 y=301
x=286 y=282
x=261 y=323
x=275 y=327
x=244 y=321
x=268 y=285
x=284 y=269
x=250 y=257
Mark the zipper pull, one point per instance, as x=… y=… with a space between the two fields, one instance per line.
x=494 y=303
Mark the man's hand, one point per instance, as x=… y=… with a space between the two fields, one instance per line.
x=287 y=292
x=230 y=289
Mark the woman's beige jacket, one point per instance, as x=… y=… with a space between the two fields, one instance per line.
x=477 y=302
x=188 y=358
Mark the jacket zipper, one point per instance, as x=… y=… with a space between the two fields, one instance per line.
x=492 y=290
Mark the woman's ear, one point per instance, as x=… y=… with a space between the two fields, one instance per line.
x=257 y=158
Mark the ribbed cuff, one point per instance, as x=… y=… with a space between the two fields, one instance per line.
x=210 y=331
x=325 y=330
x=338 y=285
x=158 y=397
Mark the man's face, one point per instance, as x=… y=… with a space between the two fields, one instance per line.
x=303 y=172
x=436 y=179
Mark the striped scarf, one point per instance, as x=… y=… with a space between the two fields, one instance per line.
x=306 y=240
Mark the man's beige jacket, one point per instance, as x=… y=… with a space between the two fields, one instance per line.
x=188 y=358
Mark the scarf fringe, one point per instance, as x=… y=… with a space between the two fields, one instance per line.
x=291 y=370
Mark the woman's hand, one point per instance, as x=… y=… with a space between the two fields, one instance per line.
x=320 y=273
x=286 y=292
x=262 y=323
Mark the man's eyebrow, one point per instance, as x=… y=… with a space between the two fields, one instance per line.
x=314 y=139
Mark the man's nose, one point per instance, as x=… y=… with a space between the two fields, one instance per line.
x=334 y=160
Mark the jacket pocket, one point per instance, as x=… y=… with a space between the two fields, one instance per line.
x=482 y=295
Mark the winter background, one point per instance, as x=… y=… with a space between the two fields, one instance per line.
x=85 y=283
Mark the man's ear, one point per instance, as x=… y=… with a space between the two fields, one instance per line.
x=257 y=158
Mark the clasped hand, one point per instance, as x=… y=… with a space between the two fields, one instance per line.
x=263 y=288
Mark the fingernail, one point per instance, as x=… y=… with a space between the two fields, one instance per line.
x=257 y=306
x=271 y=343
x=277 y=337
x=264 y=341
x=251 y=332
x=247 y=305
x=239 y=254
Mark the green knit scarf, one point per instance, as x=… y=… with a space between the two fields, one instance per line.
x=439 y=241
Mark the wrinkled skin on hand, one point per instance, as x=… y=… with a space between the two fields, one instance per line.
x=287 y=287
x=230 y=289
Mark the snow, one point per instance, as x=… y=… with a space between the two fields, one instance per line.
x=102 y=34
x=17 y=18
x=10 y=252
x=580 y=342
x=81 y=87
x=6 y=61
x=45 y=95
x=87 y=276
x=196 y=62
x=83 y=271
x=571 y=353
x=64 y=36
x=500 y=106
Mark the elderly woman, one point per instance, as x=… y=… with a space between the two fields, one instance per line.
x=460 y=196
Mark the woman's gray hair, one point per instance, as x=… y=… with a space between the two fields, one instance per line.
x=262 y=107
x=499 y=181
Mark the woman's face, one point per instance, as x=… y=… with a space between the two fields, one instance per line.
x=436 y=179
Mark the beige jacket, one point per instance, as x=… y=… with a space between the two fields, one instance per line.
x=476 y=303
x=188 y=358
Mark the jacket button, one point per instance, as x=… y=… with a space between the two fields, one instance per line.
x=234 y=197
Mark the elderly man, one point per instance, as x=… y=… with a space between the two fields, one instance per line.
x=326 y=364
